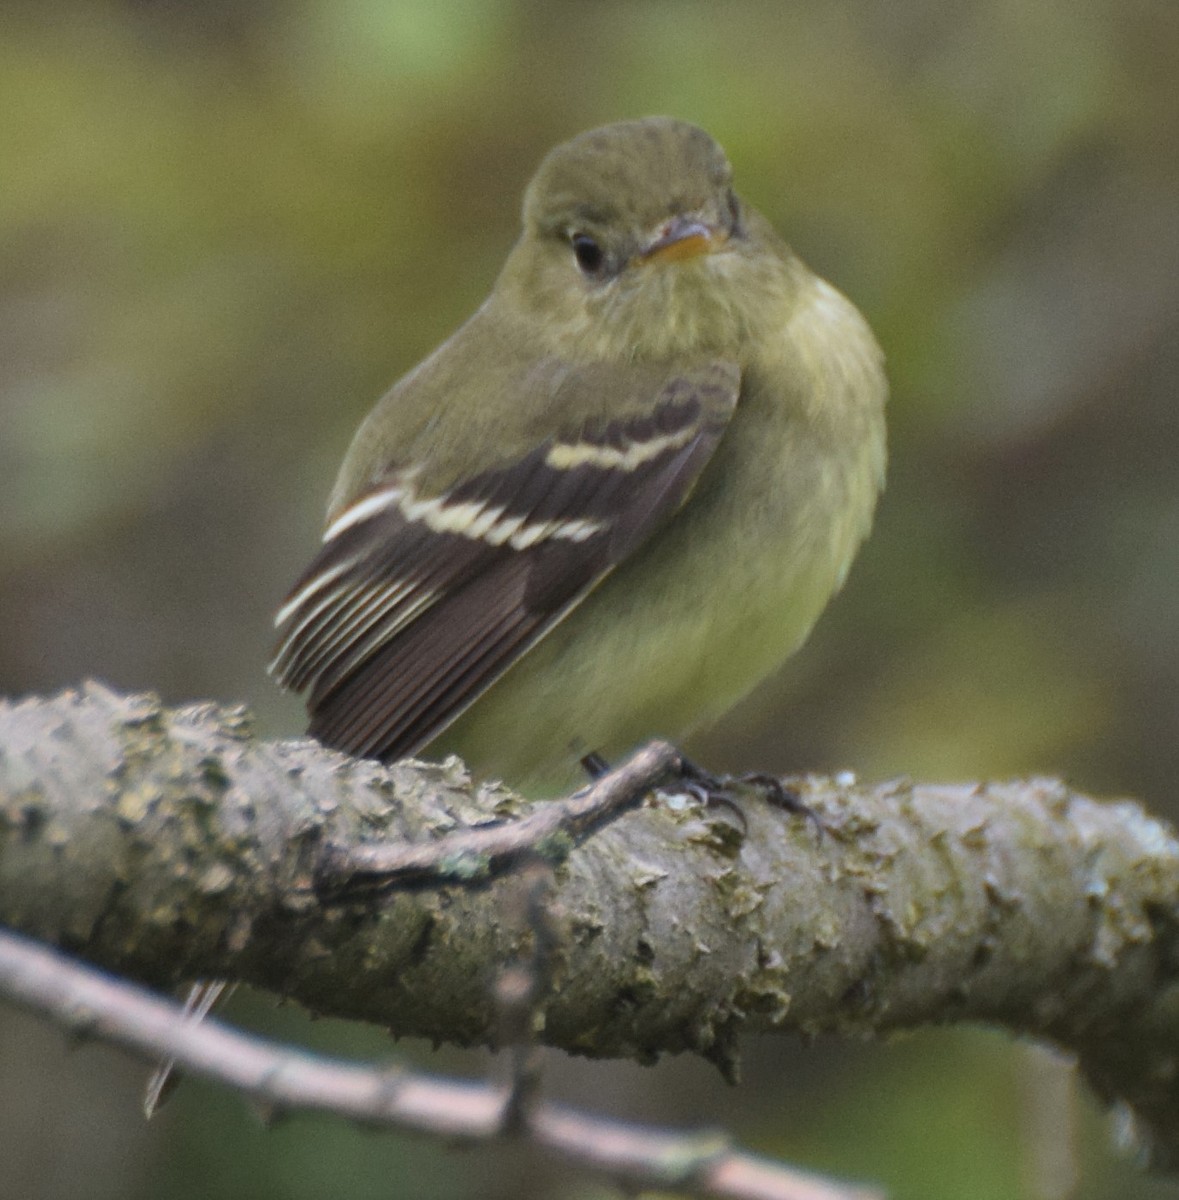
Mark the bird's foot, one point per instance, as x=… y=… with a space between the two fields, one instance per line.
x=722 y=790
x=718 y=791
x=594 y=765
x=696 y=786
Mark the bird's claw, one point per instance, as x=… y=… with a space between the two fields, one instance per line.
x=720 y=791
x=716 y=790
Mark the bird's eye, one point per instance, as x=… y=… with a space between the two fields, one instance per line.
x=590 y=256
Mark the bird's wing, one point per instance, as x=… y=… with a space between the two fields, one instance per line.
x=419 y=601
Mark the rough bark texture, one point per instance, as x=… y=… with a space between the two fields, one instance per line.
x=171 y=844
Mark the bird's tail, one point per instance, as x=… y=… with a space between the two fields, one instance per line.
x=202 y=997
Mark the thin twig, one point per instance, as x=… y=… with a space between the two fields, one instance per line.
x=519 y=990
x=473 y=856
x=91 y=1003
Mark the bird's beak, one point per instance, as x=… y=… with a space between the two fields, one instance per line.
x=681 y=238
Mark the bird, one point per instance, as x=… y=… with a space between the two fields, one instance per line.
x=611 y=503
x=614 y=500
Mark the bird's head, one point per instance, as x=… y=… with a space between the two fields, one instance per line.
x=635 y=245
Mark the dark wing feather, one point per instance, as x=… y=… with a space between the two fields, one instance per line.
x=418 y=603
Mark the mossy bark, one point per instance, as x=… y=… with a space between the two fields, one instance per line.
x=169 y=844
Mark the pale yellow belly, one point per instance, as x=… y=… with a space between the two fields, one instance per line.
x=709 y=607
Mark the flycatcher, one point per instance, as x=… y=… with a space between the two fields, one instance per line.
x=614 y=500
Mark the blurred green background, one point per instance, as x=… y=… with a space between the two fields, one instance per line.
x=227 y=225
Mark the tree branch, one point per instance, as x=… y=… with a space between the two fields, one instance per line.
x=91 y=1004
x=171 y=844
